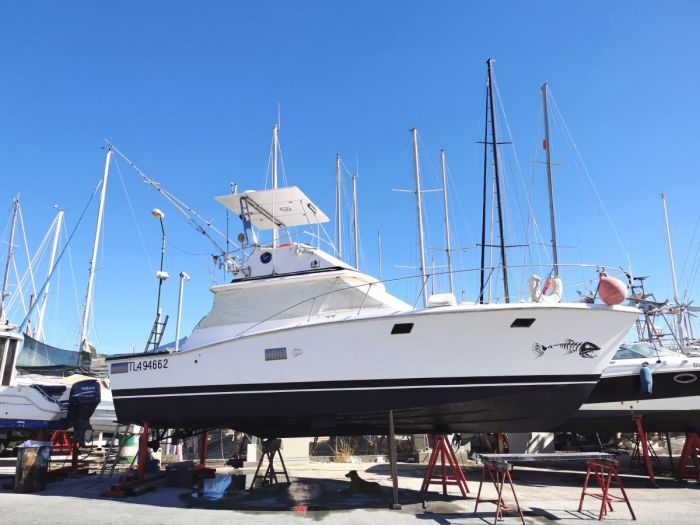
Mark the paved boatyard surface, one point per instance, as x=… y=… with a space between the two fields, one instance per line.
x=319 y=493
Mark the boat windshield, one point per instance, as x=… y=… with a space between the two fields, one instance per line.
x=641 y=350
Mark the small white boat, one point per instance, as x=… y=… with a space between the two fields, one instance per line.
x=104 y=419
x=36 y=407
x=672 y=406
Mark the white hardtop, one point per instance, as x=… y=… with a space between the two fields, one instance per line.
x=278 y=208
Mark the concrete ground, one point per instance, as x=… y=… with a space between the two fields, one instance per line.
x=319 y=492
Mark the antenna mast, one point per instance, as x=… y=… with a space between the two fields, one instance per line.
x=447 y=220
x=494 y=145
x=275 y=148
x=379 y=252
x=338 y=211
x=10 y=249
x=354 y=220
x=84 y=344
x=552 y=218
x=416 y=168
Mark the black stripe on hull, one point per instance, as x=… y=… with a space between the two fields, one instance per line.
x=612 y=421
x=358 y=383
x=502 y=408
x=629 y=387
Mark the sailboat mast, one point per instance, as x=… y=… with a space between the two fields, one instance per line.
x=482 y=281
x=338 y=211
x=275 y=148
x=679 y=317
x=448 y=244
x=84 y=345
x=42 y=307
x=494 y=144
x=419 y=203
x=354 y=221
x=547 y=149
x=10 y=250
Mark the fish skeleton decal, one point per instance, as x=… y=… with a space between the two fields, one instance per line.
x=584 y=349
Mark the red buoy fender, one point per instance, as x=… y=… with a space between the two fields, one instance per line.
x=612 y=291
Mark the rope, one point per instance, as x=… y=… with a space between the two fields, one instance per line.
x=76 y=333
x=26 y=249
x=133 y=216
x=185 y=210
x=590 y=181
x=694 y=265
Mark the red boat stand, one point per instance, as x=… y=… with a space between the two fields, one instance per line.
x=499 y=472
x=605 y=473
x=63 y=443
x=691 y=449
x=644 y=441
x=443 y=450
x=143 y=452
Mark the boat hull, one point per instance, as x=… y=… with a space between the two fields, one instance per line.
x=457 y=369
x=673 y=406
x=459 y=407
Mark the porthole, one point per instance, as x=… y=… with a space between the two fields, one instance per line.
x=685 y=378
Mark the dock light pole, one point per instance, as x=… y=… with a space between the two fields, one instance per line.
x=160 y=274
x=183 y=277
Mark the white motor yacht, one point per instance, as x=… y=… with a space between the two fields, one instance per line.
x=302 y=344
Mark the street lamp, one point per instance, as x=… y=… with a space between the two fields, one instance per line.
x=183 y=277
x=161 y=275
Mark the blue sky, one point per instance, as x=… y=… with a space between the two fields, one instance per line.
x=190 y=93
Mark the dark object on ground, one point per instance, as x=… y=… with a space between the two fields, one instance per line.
x=357 y=484
x=32 y=471
x=179 y=474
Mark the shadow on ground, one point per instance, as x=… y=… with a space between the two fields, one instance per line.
x=316 y=498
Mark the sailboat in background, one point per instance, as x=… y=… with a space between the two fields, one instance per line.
x=54 y=373
x=39 y=358
x=30 y=407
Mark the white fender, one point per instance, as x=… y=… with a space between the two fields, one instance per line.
x=536 y=295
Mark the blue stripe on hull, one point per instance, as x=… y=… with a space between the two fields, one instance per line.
x=32 y=424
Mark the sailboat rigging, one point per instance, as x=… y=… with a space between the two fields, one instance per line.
x=497 y=193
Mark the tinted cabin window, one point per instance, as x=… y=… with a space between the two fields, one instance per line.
x=402 y=328
x=522 y=322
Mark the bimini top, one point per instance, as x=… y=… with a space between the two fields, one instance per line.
x=280 y=208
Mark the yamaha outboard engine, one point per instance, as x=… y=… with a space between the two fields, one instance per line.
x=83 y=400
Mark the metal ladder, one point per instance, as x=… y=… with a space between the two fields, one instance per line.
x=156 y=334
x=114 y=451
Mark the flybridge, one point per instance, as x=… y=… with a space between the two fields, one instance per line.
x=277 y=208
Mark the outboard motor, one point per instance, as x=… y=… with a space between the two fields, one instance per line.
x=83 y=400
